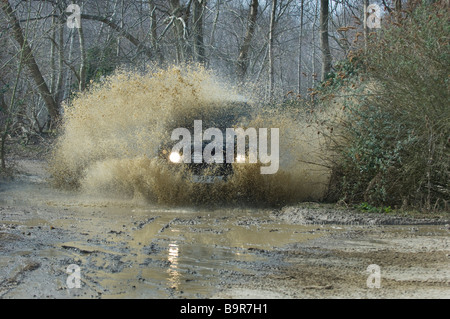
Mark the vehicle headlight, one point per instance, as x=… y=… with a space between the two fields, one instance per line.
x=175 y=157
x=240 y=158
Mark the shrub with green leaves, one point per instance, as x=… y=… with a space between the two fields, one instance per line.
x=394 y=147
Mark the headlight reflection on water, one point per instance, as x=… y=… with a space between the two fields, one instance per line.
x=240 y=158
x=173 y=271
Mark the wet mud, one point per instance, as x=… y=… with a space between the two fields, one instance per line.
x=131 y=249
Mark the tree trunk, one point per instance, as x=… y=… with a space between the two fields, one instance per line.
x=121 y=27
x=197 y=17
x=300 y=39
x=83 y=65
x=313 y=56
x=179 y=26
x=324 y=44
x=68 y=80
x=121 y=31
x=213 y=29
x=53 y=56
x=29 y=61
x=60 y=83
x=153 y=34
x=271 y=57
x=4 y=121
x=9 y=110
x=242 y=62
x=366 y=28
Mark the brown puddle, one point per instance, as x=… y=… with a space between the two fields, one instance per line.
x=132 y=249
x=162 y=253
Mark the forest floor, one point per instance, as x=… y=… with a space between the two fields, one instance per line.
x=136 y=250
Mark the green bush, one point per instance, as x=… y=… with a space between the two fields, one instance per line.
x=102 y=61
x=366 y=207
x=394 y=143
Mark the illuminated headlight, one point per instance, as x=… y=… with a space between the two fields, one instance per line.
x=175 y=157
x=240 y=158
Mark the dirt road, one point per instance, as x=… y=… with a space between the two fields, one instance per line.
x=123 y=249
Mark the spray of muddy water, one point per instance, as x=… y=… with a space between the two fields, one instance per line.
x=112 y=135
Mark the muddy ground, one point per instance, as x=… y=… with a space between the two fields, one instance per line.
x=136 y=250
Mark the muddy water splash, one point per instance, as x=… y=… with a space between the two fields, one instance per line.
x=112 y=135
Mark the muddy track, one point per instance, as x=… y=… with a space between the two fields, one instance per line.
x=131 y=249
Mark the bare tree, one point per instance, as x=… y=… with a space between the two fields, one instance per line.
x=324 y=42
x=366 y=15
x=7 y=114
x=153 y=31
x=242 y=61
x=82 y=82
x=135 y=41
x=243 y=39
x=300 y=40
x=30 y=61
x=179 y=19
x=271 y=53
x=198 y=17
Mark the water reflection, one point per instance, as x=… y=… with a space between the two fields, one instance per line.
x=173 y=271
